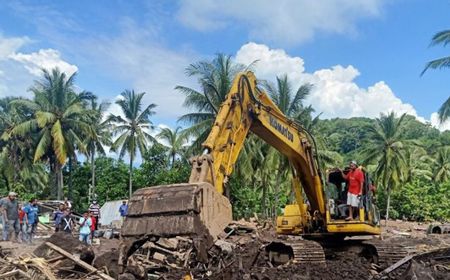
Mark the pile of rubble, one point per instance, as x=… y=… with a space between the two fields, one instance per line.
x=239 y=253
x=23 y=267
x=59 y=257
x=173 y=258
x=434 y=264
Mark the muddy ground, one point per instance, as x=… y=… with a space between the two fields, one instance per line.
x=247 y=259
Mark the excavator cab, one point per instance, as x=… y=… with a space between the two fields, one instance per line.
x=298 y=220
x=366 y=219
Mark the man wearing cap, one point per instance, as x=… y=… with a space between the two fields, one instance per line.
x=10 y=216
x=355 y=180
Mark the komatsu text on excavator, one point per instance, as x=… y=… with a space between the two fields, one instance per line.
x=200 y=210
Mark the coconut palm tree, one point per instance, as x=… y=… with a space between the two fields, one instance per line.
x=441 y=38
x=442 y=165
x=174 y=141
x=15 y=149
x=259 y=167
x=215 y=79
x=58 y=121
x=132 y=129
x=100 y=137
x=289 y=102
x=387 y=148
x=419 y=164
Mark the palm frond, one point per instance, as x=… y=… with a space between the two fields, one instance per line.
x=43 y=144
x=24 y=128
x=442 y=37
x=444 y=111
x=194 y=118
x=443 y=62
x=59 y=143
x=45 y=118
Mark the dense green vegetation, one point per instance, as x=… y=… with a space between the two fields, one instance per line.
x=43 y=140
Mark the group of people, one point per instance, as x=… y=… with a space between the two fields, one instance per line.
x=19 y=223
x=88 y=224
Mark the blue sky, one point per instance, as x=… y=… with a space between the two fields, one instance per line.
x=363 y=57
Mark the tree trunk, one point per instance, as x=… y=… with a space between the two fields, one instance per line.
x=130 y=183
x=173 y=160
x=263 y=199
x=70 y=178
x=59 y=181
x=277 y=192
x=388 y=204
x=92 y=174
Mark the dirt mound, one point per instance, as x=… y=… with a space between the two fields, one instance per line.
x=68 y=243
x=109 y=260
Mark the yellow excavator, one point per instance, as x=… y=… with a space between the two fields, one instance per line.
x=200 y=210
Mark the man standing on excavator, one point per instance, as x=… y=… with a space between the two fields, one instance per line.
x=355 y=181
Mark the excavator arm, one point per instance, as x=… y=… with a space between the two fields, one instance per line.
x=247 y=108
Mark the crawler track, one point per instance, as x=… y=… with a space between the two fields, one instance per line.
x=306 y=251
x=387 y=253
x=295 y=250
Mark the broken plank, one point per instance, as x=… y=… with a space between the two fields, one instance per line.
x=395 y=265
x=81 y=263
x=13 y=273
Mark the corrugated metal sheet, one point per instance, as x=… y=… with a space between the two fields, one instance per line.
x=109 y=212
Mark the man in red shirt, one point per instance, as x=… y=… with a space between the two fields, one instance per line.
x=355 y=180
x=93 y=225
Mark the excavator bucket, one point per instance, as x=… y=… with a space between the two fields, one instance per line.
x=187 y=209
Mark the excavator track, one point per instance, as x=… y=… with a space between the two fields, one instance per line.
x=306 y=251
x=387 y=253
x=295 y=251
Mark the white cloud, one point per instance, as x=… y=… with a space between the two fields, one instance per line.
x=434 y=120
x=44 y=58
x=284 y=21
x=334 y=93
x=9 y=46
x=18 y=70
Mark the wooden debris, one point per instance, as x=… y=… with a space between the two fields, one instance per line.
x=400 y=232
x=15 y=272
x=78 y=261
x=25 y=267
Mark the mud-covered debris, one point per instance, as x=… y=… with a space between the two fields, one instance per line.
x=226 y=247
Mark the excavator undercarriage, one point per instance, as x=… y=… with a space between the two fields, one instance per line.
x=299 y=250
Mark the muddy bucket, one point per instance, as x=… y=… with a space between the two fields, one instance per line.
x=178 y=209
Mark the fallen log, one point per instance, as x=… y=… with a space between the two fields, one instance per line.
x=79 y=262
